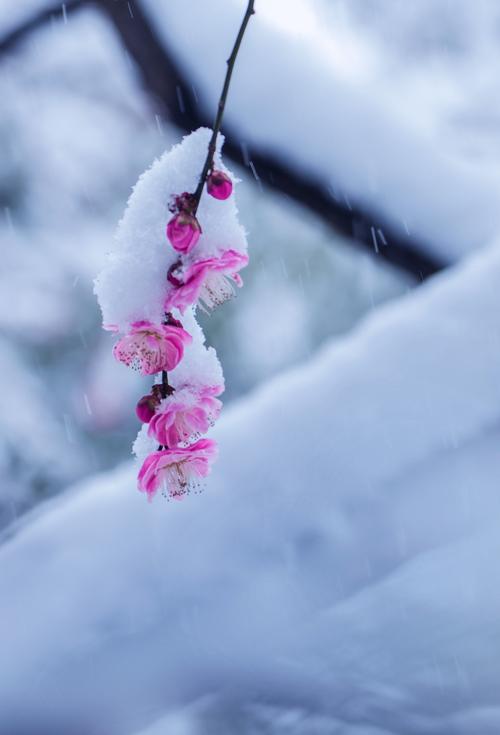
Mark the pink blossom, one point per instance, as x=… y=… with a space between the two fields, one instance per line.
x=211 y=281
x=176 y=471
x=152 y=347
x=219 y=185
x=183 y=231
x=184 y=415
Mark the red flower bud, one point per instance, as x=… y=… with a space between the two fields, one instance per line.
x=219 y=185
x=183 y=231
x=146 y=407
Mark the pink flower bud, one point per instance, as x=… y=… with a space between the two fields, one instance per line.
x=219 y=185
x=147 y=405
x=183 y=231
x=145 y=408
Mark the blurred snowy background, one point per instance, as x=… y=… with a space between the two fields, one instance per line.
x=378 y=108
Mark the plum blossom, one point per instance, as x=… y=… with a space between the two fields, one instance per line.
x=219 y=185
x=183 y=231
x=176 y=471
x=210 y=281
x=151 y=348
x=185 y=272
x=185 y=414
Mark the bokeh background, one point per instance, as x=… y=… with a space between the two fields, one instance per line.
x=366 y=137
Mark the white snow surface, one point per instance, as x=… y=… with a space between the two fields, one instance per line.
x=339 y=574
x=297 y=93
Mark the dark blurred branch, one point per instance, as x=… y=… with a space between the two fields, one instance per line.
x=175 y=99
x=10 y=41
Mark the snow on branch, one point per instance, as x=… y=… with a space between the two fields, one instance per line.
x=167 y=83
x=149 y=285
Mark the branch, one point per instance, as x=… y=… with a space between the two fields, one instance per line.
x=222 y=103
x=19 y=34
x=173 y=94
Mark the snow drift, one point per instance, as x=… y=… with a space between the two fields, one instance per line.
x=340 y=573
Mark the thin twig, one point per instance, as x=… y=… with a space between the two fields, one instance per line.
x=222 y=103
x=166 y=388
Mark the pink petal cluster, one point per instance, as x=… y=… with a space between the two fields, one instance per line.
x=210 y=281
x=186 y=414
x=151 y=348
x=178 y=415
x=176 y=471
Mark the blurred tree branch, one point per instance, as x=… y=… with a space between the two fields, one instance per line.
x=176 y=101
